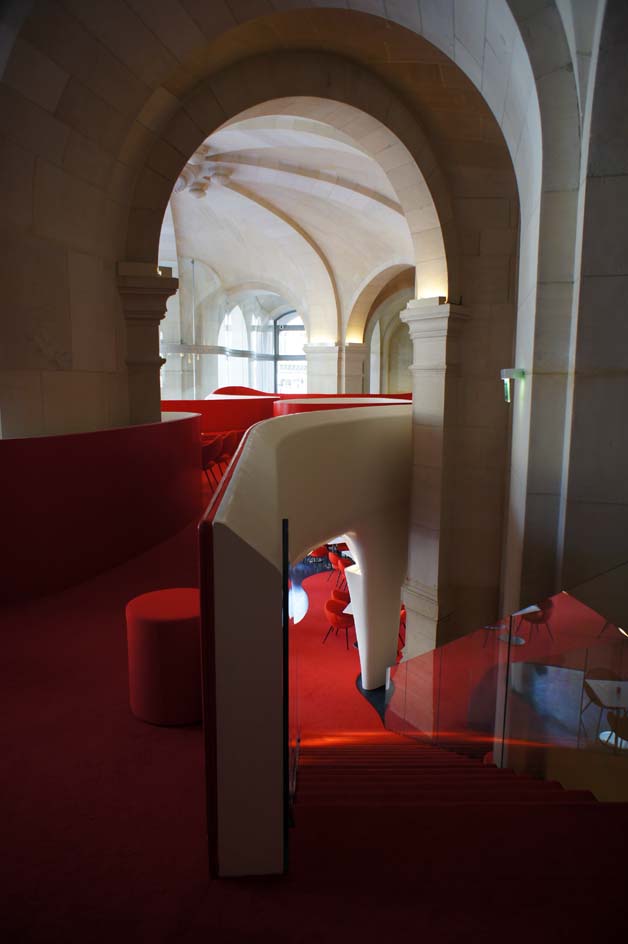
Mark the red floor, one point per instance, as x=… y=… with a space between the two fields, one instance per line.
x=326 y=672
x=103 y=825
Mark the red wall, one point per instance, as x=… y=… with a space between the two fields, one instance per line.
x=249 y=391
x=241 y=413
x=219 y=415
x=284 y=407
x=74 y=506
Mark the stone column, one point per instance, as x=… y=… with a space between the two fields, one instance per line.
x=324 y=368
x=144 y=292
x=433 y=327
x=354 y=367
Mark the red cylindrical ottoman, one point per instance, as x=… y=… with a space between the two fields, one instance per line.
x=163 y=642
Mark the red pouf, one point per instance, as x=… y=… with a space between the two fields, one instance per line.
x=163 y=643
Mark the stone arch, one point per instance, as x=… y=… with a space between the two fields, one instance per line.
x=361 y=105
x=271 y=285
x=164 y=124
x=397 y=347
x=521 y=58
x=399 y=285
x=366 y=298
x=471 y=213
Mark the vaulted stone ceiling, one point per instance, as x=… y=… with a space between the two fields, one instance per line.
x=292 y=205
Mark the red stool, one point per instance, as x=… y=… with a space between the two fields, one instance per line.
x=341 y=595
x=163 y=643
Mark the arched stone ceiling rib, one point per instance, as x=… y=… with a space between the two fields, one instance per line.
x=283 y=168
x=336 y=203
x=319 y=314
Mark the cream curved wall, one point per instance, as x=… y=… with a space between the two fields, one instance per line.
x=365 y=497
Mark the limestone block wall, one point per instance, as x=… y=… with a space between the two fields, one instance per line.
x=103 y=103
x=62 y=343
x=596 y=512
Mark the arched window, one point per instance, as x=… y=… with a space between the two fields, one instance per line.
x=233 y=333
x=376 y=353
x=233 y=365
x=290 y=361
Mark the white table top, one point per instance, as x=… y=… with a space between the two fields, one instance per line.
x=610 y=693
x=349 y=608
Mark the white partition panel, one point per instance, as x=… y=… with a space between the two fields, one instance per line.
x=334 y=472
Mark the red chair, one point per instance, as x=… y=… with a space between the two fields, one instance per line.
x=539 y=618
x=332 y=557
x=340 y=564
x=342 y=596
x=402 y=628
x=618 y=723
x=320 y=551
x=338 y=619
x=229 y=445
x=211 y=452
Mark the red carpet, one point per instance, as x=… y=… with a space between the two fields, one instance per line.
x=326 y=673
x=103 y=824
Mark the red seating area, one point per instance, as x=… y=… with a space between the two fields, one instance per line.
x=220 y=416
x=217 y=451
x=223 y=422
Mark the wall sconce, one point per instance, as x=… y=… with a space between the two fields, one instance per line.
x=508 y=374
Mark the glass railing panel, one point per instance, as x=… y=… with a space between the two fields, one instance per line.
x=544 y=691
x=294 y=693
x=452 y=695
x=567 y=719
x=567 y=698
x=292 y=733
x=396 y=697
x=471 y=683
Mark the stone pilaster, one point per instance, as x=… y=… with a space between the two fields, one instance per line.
x=433 y=327
x=144 y=292
x=354 y=366
x=324 y=368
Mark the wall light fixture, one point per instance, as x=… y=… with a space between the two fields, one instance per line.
x=507 y=375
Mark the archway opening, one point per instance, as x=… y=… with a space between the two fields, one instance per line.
x=291 y=205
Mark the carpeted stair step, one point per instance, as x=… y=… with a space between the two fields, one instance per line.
x=406 y=774
x=439 y=791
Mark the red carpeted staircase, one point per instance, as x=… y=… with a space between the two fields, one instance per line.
x=421 y=842
x=396 y=771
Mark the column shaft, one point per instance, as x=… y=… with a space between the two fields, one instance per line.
x=144 y=295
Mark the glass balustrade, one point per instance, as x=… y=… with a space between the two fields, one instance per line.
x=543 y=691
x=292 y=723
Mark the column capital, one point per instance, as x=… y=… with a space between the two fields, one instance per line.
x=355 y=347
x=145 y=291
x=433 y=317
x=312 y=350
